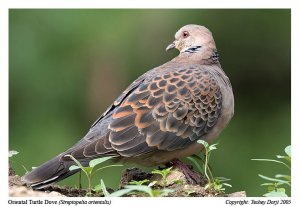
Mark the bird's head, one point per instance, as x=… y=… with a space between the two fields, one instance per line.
x=192 y=39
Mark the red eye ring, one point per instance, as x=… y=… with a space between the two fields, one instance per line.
x=185 y=34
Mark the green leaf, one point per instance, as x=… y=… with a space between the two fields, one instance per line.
x=104 y=190
x=222 y=179
x=271 y=160
x=268 y=184
x=141 y=182
x=274 y=179
x=195 y=162
x=95 y=162
x=97 y=188
x=287 y=177
x=179 y=182
x=141 y=188
x=75 y=160
x=152 y=183
x=288 y=150
x=226 y=184
x=101 y=168
x=161 y=193
x=120 y=193
x=284 y=157
x=88 y=170
x=74 y=167
x=280 y=190
x=204 y=143
x=281 y=156
x=207 y=186
x=12 y=153
x=275 y=194
x=271 y=188
x=157 y=193
x=212 y=147
x=164 y=172
x=157 y=171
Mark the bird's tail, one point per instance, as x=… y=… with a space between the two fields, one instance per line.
x=51 y=171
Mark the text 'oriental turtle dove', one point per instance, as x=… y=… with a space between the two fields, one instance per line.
x=160 y=116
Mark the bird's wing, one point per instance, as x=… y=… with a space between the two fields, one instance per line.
x=168 y=112
x=124 y=94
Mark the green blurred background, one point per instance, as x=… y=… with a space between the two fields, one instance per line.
x=67 y=66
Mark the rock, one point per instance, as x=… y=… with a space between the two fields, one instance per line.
x=238 y=194
x=175 y=181
x=15 y=180
x=22 y=191
x=130 y=174
x=174 y=177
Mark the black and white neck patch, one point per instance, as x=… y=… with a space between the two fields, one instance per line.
x=193 y=49
x=215 y=56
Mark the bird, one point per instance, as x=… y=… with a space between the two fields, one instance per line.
x=160 y=116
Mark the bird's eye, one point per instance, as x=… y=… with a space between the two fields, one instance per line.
x=185 y=34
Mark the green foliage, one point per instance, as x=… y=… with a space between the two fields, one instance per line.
x=218 y=184
x=164 y=173
x=202 y=164
x=275 y=185
x=197 y=161
x=89 y=171
x=141 y=182
x=189 y=192
x=207 y=172
x=137 y=189
x=12 y=153
x=141 y=189
x=178 y=182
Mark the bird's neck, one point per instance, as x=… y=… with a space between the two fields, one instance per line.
x=200 y=54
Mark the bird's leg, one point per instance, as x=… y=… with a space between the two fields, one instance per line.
x=191 y=176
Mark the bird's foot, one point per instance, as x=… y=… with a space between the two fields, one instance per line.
x=191 y=176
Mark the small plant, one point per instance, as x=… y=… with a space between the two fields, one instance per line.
x=179 y=182
x=12 y=153
x=141 y=182
x=214 y=184
x=189 y=192
x=164 y=173
x=89 y=171
x=138 y=188
x=141 y=189
x=275 y=185
x=219 y=184
x=198 y=162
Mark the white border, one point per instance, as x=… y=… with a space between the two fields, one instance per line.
x=194 y=4
x=4 y=99
x=295 y=99
x=150 y=3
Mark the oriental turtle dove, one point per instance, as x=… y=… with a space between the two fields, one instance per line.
x=160 y=116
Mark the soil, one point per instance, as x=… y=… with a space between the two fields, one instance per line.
x=175 y=182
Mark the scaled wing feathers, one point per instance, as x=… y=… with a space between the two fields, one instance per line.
x=168 y=111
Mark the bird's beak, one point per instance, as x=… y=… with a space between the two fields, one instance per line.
x=171 y=46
